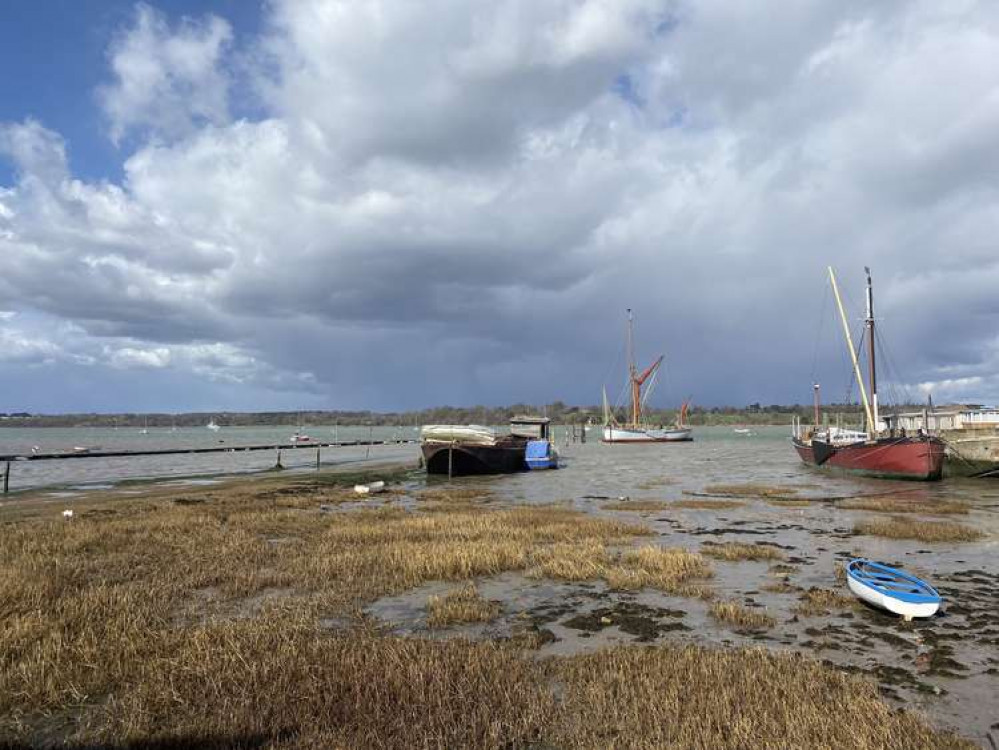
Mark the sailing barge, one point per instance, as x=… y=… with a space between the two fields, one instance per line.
x=636 y=431
x=873 y=452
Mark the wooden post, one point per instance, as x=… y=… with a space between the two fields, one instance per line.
x=318 y=450
x=367 y=453
x=6 y=478
x=278 y=464
x=450 y=460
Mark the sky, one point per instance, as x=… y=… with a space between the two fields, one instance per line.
x=389 y=205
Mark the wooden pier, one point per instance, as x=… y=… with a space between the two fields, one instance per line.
x=96 y=453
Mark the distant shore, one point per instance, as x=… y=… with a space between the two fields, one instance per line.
x=559 y=413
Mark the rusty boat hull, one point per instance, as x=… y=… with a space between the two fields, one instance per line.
x=909 y=458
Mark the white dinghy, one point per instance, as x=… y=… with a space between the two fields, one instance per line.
x=892 y=589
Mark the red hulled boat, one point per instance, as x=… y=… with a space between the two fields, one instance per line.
x=918 y=458
x=875 y=452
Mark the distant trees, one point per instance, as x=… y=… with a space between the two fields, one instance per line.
x=557 y=411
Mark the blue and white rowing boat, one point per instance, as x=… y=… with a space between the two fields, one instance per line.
x=892 y=589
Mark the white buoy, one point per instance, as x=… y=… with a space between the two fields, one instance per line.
x=369 y=489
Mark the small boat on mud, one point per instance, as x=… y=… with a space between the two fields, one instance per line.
x=874 y=452
x=892 y=589
x=460 y=450
x=636 y=430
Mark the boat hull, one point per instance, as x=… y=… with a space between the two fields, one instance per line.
x=917 y=459
x=921 y=601
x=463 y=459
x=647 y=435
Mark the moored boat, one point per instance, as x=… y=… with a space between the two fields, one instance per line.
x=892 y=589
x=873 y=452
x=636 y=430
x=460 y=450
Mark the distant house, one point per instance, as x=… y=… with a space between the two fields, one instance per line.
x=950 y=417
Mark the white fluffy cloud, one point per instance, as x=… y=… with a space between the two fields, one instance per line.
x=167 y=81
x=455 y=202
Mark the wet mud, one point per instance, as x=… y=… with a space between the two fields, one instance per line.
x=946 y=667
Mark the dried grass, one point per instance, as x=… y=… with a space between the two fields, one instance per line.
x=461 y=605
x=93 y=652
x=926 y=531
x=817 y=601
x=890 y=504
x=637 y=505
x=737 y=551
x=707 y=504
x=751 y=490
x=670 y=570
x=742 y=618
x=651 y=484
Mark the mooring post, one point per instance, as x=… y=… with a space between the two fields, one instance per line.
x=278 y=464
x=450 y=459
x=367 y=453
x=6 y=478
x=318 y=449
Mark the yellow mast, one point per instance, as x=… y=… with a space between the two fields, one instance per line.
x=871 y=427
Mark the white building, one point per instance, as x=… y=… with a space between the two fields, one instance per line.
x=951 y=417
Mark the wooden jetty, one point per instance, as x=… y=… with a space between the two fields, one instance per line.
x=316 y=445
x=213 y=449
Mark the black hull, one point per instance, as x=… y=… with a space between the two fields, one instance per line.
x=463 y=459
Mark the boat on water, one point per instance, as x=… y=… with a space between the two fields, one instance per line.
x=876 y=451
x=892 y=589
x=212 y=426
x=970 y=433
x=298 y=437
x=462 y=450
x=636 y=430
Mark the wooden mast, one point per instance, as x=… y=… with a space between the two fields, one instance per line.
x=853 y=352
x=870 y=353
x=635 y=406
x=637 y=380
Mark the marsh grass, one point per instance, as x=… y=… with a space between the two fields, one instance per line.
x=672 y=570
x=461 y=605
x=165 y=624
x=86 y=604
x=926 y=531
x=788 y=502
x=738 y=551
x=816 y=601
x=740 y=617
x=782 y=586
x=651 y=484
x=637 y=505
x=707 y=504
x=888 y=504
x=751 y=490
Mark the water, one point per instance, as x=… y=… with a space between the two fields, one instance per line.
x=81 y=474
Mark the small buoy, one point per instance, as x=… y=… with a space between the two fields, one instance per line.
x=369 y=489
x=67 y=513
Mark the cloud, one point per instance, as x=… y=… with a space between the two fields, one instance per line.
x=167 y=82
x=447 y=203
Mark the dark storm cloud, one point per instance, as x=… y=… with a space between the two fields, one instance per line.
x=455 y=204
